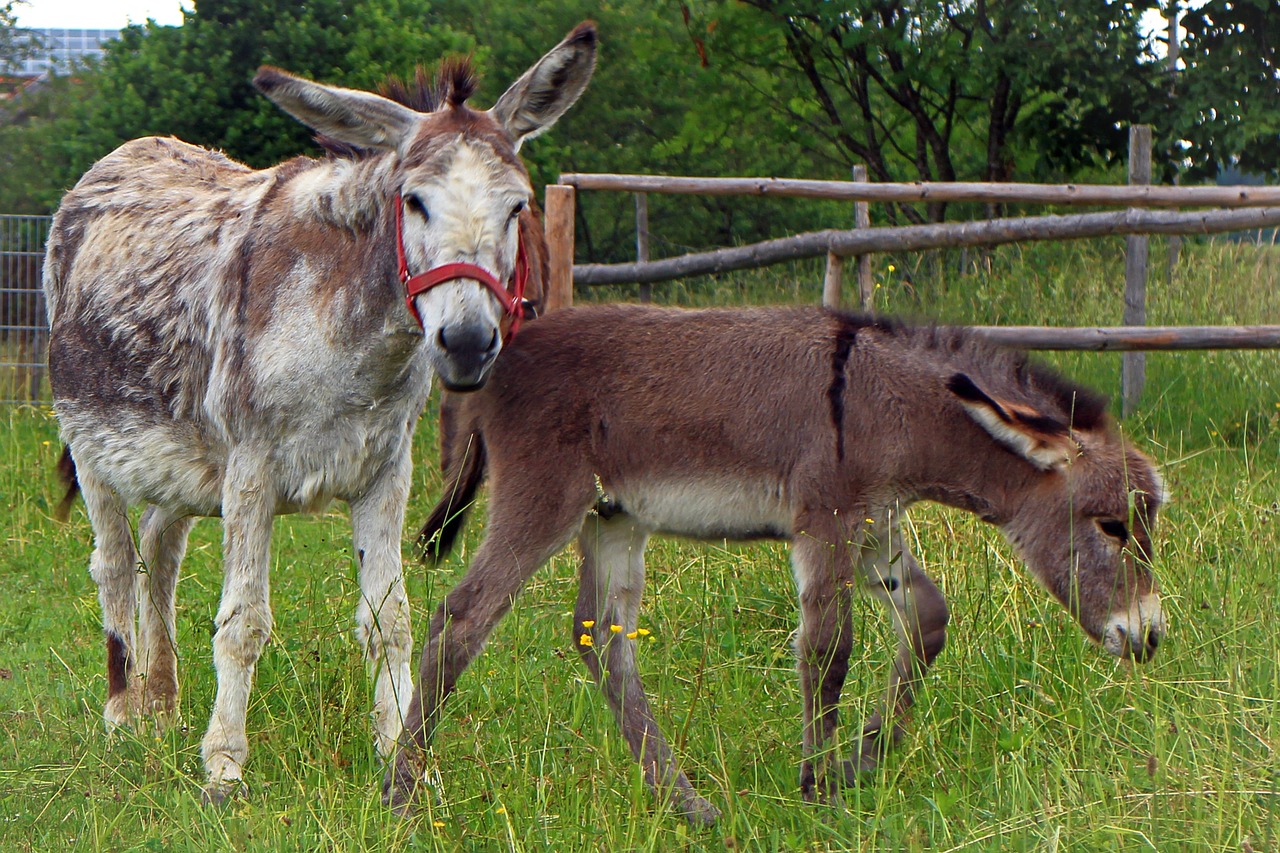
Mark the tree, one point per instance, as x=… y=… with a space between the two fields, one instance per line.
x=653 y=107
x=193 y=82
x=16 y=43
x=1228 y=95
x=948 y=90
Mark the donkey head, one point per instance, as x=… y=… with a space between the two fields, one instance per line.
x=1081 y=512
x=458 y=191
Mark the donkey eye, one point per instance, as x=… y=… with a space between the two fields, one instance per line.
x=1115 y=529
x=416 y=205
x=517 y=210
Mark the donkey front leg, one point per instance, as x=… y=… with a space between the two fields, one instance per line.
x=823 y=566
x=891 y=575
x=382 y=617
x=163 y=543
x=114 y=568
x=243 y=622
x=515 y=546
x=611 y=583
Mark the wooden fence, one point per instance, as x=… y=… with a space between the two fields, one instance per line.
x=1247 y=208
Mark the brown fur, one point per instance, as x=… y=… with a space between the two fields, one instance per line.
x=794 y=423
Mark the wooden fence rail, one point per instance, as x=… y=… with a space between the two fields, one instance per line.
x=919 y=237
x=1084 y=194
x=1251 y=208
x=1133 y=338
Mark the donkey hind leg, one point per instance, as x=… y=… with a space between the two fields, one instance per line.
x=611 y=583
x=163 y=542
x=114 y=568
x=891 y=575
x=823 y=564
x=382 y=617
x=243 y=622
x=515 y=546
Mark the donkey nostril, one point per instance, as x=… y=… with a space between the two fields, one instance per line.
x=444 y=345
x=1153 y=640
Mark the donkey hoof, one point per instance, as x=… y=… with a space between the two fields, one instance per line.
x=400 y=785
x=700 y=813
x=859 y=769
x=220 y=793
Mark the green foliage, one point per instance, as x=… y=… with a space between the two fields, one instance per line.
x=16 y=44
x=1228 y=104
x=193 y=82
x=652 y=108
x=950 y=91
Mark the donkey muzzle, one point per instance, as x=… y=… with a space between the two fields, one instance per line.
x=1136 y=633
x=467 y=351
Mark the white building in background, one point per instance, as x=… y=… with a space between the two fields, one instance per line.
x=62 y=49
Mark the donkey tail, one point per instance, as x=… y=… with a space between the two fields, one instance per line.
x=437 y=536
x=67 y=474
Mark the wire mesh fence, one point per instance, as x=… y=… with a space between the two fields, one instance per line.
x=24 y=332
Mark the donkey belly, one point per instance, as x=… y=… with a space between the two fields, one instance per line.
x=709 y=509
x=145 y=461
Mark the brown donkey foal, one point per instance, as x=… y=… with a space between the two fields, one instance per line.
x=799 y=424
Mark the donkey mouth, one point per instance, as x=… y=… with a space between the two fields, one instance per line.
x=1140 y=647
x=463 y=355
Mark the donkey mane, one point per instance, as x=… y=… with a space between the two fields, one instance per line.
x=454 y=81
x=1012 y=372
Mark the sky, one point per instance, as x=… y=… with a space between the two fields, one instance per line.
x=96 y=14
x=116 y=14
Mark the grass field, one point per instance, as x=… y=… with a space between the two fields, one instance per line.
x=1026 y=737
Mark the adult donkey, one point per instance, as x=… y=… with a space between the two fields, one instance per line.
x=235 y=342
x=799 y=424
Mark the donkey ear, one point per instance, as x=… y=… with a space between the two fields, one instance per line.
x=547 y=90
x=357 y=118
x=1043 y=441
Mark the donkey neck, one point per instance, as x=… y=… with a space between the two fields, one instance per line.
x=953 y=461
x=352 y=194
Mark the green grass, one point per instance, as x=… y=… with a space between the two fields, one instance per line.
x=1026 y=737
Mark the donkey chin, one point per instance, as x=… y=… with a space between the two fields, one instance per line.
x=1135 y=632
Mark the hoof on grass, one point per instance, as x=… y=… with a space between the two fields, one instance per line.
x=219 y=794
x=700 y=813
x=400 y=785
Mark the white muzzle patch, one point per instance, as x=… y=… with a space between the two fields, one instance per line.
x=1136 y=632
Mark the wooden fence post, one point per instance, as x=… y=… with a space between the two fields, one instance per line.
x=559 y=229
x=642 y=241
x=833 y=281
x=1133 y=365
x=1175 y=240
x=862 y=220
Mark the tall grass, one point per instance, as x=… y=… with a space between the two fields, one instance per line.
x=1025 y=738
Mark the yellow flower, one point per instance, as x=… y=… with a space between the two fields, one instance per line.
x=586 y=641
x=437 y=823
x=871 y=521
x=617 y=629
x=892 y=268
x=501 y=810
x=633 y=635
x=588 y=623
x=643 y=632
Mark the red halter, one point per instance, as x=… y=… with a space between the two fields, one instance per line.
x=512 y=302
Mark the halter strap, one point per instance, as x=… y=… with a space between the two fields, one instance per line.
x=511 y=300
